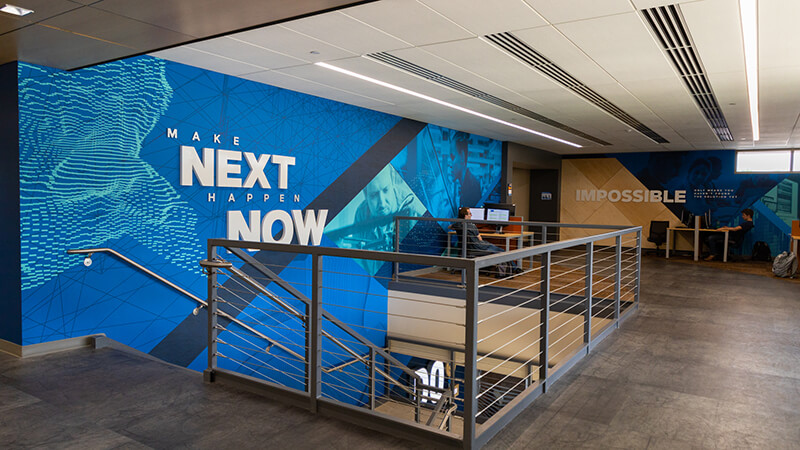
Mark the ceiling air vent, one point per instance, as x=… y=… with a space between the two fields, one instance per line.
x=524 y=52
x=430 y=75
x=669 y=27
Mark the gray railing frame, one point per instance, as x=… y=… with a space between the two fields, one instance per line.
x=474 y=435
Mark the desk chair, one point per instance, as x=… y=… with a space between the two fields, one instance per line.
x=658 y=232
x=735 y=248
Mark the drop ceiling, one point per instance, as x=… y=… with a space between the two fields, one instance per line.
x=606 y=45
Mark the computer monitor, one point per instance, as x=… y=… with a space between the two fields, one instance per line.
x=478 y=213
x=497 y=214
x=507 y=206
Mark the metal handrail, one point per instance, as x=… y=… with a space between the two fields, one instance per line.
x=203 y=304
x=255 y=284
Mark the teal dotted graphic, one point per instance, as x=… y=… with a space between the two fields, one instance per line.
x=82 y=180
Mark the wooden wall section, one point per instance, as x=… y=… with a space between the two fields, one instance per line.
x=607 y=174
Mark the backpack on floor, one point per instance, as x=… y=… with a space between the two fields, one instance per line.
x=785 y=265
x=761 y=252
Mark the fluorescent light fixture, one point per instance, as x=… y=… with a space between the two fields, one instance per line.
x=15 y=10
x=773 y=161
x=749 y=13
x=442 y=102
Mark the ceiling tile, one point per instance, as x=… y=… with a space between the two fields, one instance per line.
x=43 y=9
x=644 y=4
x=203 y=18
x=486 y=17
x=49 y=47
x=778 y=44
x=296 y=84
x=207 y=61
x=717 y=34
x=346 y=32
x=111 y=27
x=554 y=46
x=288 y=42
x=235 y=50
x=624 y=48
x=560 y=11
x=486 y=61
x=409 y=21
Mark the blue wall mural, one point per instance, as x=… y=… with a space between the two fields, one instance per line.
x=101 y=153
x=712 y=186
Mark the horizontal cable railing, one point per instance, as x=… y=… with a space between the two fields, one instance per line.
x=445 y=346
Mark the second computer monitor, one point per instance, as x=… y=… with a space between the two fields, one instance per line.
x=478 y=213
x=497 y=214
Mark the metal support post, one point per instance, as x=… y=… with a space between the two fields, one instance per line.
x=587 y=324
x=471 y=357
x=212 y=311
x=464 y=251
x=544 y=234
x=638 y=265
x=372 y=372
x=544 y=328
x=396 y=265
x=315 y=332
x=617 y=279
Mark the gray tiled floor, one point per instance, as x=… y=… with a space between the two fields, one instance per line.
x=711 y=360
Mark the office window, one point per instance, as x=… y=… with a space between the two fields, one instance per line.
x=796 y=161
x=764 y=161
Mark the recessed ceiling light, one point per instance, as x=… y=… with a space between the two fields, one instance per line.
x=15 y=10
x=442 y=102
x=749 y=12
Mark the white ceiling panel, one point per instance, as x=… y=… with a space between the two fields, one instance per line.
x=644 y=4
x=400 y=78
x=779 y=101
x=485 y=60
x=553 y=45
x=717 y=34
x=346 y=32
x=777 y=33
x=296 y=84
x=288 y=42
x=670 y=99
x=624 y=48
x=207 y=61
x=558 y=12
x=251 y=54
x=421 y=56
x=409 y=21
x=606 y=45
x=486 y=17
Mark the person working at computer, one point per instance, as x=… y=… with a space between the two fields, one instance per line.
x=476 y=246
x=716 y=241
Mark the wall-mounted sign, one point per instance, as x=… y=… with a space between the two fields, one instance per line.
x=630 y=196
x=547 y=195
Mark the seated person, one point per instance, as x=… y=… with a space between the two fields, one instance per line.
x=476 y=246
x=717 y=240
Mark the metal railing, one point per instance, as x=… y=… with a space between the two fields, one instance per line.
x=448 y=349
x=200 y=302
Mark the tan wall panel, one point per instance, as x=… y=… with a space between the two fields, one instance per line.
x=608 y=174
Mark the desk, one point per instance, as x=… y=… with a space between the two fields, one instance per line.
x=507 y=236
x=696 y=244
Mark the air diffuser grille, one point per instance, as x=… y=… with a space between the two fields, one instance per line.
x=524 y=52
x=669 y=27
x=430 y=75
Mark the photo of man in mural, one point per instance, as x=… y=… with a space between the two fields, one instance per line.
x=367 y=222
x=383 y=200
x=466 y=187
